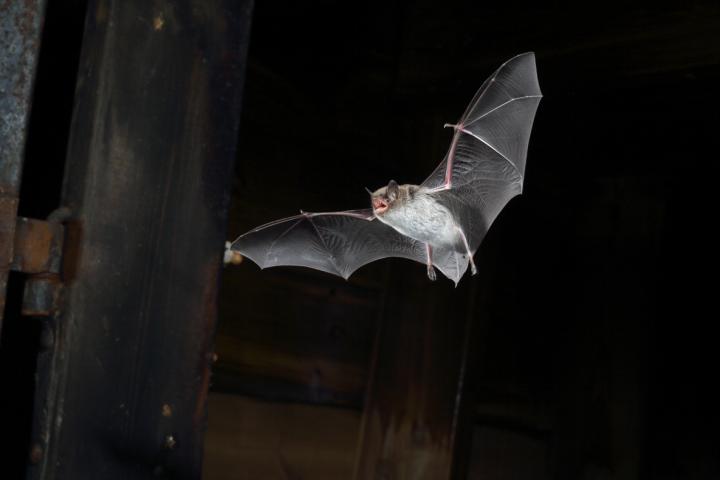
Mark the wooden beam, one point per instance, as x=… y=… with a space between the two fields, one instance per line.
x=147 y=181
x=312 y=347
x=414 y=410
x=444 y=50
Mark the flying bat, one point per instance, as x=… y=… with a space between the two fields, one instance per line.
x=440 y=222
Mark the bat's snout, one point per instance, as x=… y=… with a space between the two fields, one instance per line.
x=379 y=205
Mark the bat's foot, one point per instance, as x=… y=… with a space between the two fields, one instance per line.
x=431 y=273
x=469 y=253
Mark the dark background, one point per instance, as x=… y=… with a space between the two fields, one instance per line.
x=595 y=304
x=595 y=288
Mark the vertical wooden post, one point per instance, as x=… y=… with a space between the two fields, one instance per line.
x=412 y=419
x=147 y=181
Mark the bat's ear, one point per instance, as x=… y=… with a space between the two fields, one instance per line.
x=393 y=190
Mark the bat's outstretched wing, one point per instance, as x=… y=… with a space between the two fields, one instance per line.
x=338 y=243
x=485 y=165
x=334 y=242
x=481 y=172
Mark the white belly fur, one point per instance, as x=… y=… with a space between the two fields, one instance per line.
x=424 y=219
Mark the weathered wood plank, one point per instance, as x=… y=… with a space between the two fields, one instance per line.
x=415 y=398
x=152 y=145
x=250 y=439
x=614 y=46
x=312 y=346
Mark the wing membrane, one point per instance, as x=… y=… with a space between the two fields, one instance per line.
x=485 y=165
x=334 y=242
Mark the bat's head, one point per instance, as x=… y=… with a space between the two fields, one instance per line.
x=383 y=198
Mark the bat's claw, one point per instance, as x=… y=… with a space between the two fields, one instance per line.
x=431 y=273
x=231 y=256
x=473 y=268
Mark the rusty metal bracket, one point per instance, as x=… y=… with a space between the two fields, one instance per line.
x=38 y=246
x=38 y=252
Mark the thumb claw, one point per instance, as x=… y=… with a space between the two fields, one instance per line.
x=230 y=256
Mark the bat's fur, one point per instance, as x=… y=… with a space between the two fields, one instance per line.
x=413 y=211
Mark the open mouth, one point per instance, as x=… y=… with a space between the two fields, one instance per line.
x=379 y=205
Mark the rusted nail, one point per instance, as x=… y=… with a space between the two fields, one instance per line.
x=158 y=22
x=166 y=411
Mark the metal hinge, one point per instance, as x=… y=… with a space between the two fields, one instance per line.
x=38 y=252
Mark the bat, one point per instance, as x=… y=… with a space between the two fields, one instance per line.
x=440 y=222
